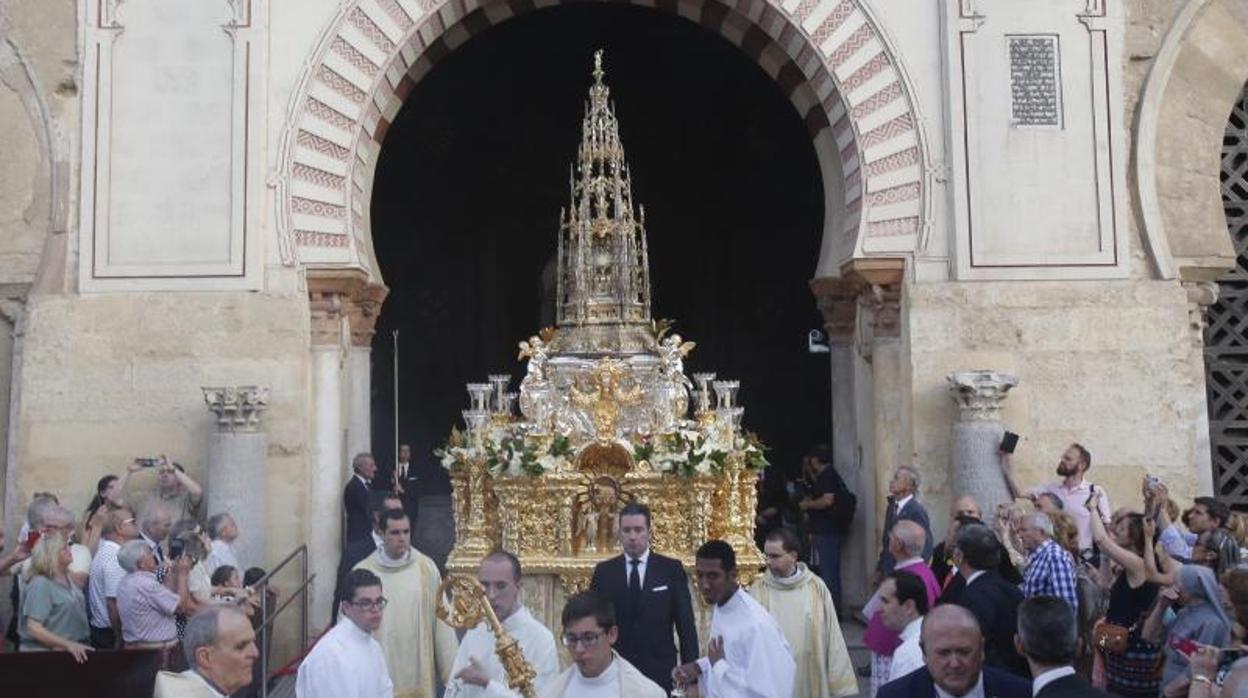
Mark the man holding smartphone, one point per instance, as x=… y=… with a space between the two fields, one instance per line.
x=1073 y=490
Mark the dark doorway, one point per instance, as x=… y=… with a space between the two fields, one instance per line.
x=475 y=168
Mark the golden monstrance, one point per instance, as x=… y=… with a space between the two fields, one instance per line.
x=604 y=412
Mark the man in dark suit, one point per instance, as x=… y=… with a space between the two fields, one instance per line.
x=355 y=497
x=903 y=505
x=356 y=551
x=992 y=599
x=651 y=595
x=1047 y=637
x=405 y=481
x=953 y=658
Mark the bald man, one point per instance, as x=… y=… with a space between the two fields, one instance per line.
x=905 y=543
x=953 y=663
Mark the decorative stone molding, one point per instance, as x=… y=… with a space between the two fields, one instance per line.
x=830 y=57
x=344 y=306
x=237 y=407
x=979 y=394
x=838 y=301
x=1200 y=296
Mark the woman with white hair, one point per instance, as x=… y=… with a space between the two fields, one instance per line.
x=54 y=612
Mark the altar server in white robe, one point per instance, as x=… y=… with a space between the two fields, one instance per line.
x=801 y=603
x=478 y=671
x=597 y=671
x=347 y=662
x=747 y=655
x=419 y=647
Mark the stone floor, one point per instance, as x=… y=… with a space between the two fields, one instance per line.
x=858 y=652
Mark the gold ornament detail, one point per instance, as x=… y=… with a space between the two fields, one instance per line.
x=467 y=607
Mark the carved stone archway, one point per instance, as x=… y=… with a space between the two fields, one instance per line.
x=829 y=56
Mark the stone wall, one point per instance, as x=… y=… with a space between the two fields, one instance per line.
x=1116 y=366
x=104 y=379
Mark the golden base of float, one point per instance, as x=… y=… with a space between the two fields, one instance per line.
x=561 y=524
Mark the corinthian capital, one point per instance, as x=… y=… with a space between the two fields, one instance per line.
x=237 y=407
x=979 y=394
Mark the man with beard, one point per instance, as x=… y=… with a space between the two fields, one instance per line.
x=802 y=605
x=747 y=654
x=1073 y=490
x=953 y=663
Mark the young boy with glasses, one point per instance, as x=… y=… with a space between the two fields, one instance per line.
x=597 y=671
x=347 y=662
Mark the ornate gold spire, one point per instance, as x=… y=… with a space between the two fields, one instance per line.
x=603 y=287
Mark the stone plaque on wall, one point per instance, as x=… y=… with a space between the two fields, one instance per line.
x=170 y=176
x=1035 y=81
x=1038 y=180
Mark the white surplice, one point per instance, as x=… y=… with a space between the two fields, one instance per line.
x=619 y=680
x=536 y=642
x=757 y=661
x=346 y=663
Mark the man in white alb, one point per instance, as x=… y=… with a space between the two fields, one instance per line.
x=347 y=662
x=477 y=670
x=597 y=671
x=747 y=654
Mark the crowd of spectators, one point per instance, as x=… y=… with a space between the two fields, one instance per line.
x=135 y=572
x=1157 y=592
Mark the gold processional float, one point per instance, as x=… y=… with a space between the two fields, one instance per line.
x=604 y=419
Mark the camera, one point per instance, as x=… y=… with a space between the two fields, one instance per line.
x=817 y=342
x=147 y=462
x=177 y=547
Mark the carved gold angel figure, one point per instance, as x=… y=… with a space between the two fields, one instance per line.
x=604 y=401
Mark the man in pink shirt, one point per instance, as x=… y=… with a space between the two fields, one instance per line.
x=1073 y=490
x=906 y=543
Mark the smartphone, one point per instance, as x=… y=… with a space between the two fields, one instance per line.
x=176 y=547
x=1184 y=646
x=1009 y=442
x=147 y=462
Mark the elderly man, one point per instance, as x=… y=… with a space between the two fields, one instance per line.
x=154 y=525
x=477 y=670
x=905 y=545
x=347 y=662
x=146 y=606
x=993 y=600
x=802 y=605
x=355 y=496
x=597 y=670
x=175 y=491
x=953 y=658
x=220 y=648
x=1050 y=568
x=419 y=648
x=903 y=505
x=964 y=509
x=1048 y=638
x=222 y=532
x=747 y=654
x=106 y=574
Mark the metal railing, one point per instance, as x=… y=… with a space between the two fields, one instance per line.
x=264 y=633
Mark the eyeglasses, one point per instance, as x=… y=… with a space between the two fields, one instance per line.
x=587 y=640
x=371 y=604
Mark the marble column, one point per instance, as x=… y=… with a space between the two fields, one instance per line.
x=838 y=301
x=359 y=420
x=237 y=473
x=977 y=436
x=343 y=304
